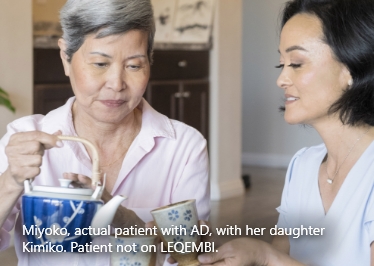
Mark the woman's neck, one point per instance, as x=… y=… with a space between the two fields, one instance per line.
x=342 y=139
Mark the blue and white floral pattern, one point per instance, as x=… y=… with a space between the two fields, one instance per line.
x=136 y=249
x=124 y=261
x=120 y=241
x=54 y=239
x=187 y=215
x=45 y=213
x=173 y=215
x=176 y=240
x=178 y=232
x=135 y=256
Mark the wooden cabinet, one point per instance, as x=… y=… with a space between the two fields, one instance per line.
x=51 y=87
x=184 y=100
x=50 y=96
x=178 y=86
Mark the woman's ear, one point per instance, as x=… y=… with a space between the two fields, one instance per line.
x=350 y=82
x=64 y=57
x=348 y=77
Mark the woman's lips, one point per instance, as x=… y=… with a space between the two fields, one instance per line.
x=290 y=99
x=112 y=103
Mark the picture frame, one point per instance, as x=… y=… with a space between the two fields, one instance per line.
x=183 y=21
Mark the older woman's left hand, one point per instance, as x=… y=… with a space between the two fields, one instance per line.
x=79 y=180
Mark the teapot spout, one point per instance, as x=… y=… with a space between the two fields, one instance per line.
x=104 y=216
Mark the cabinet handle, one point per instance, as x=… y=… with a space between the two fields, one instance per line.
x=182 y=63
x=185 y=94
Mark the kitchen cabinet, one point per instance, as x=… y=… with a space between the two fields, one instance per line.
x=51 y=87
x=183 y=100
x=50 y=96
x=179 y=87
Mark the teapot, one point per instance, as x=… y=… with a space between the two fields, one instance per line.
x=67 y=217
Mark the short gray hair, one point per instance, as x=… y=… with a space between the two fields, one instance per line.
x=105 y=17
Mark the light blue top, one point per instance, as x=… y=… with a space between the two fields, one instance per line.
x=349 y=221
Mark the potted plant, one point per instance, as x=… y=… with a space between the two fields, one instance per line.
x=4 y=100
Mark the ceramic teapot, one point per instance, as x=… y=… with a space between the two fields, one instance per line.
x=64 y=216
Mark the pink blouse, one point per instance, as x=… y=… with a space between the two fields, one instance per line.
x=167 y=162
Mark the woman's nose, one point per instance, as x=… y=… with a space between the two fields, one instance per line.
x=283 y=80
x=116 y=79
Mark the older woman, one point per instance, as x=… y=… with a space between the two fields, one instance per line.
x=106 y=50
x=327 y=61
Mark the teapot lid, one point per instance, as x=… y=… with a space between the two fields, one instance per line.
x=62 y=191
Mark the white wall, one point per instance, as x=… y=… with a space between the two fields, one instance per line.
x=267 y=139
x=16 y=58
x=47 y=10
x=225 y=100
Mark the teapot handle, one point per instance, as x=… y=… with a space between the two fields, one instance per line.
x=96 y=173
x=27 y=185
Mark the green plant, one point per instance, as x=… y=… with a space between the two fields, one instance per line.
x=4 y=100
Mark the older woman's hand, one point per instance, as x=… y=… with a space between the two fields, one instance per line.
x=25 y=152
x=79 y=180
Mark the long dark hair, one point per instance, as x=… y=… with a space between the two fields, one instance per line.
x=348 y=28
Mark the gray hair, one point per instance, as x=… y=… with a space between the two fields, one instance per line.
x=103 y=18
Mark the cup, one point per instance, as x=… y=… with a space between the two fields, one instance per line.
x=127 y=250
x=177 y=225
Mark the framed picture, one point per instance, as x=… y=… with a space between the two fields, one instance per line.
x=164 y=12
x=193 y=21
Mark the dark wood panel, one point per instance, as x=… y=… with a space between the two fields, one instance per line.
x=48 y=97
x=48 y=67
x=162 y=97
x=171 y=65
x=195 y=108
x=183 y=100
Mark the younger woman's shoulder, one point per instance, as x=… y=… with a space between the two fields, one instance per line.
x=307 y=156
x=304 y=161
x=307 y=152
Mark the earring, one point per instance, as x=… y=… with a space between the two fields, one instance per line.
x=350 y=82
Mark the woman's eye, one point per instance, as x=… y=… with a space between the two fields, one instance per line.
x=294 y=65
x=101 y=65
x=279 y=66
x=133 y=67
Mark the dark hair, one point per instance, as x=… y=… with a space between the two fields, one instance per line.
x=348 y=28
x=103 y=18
